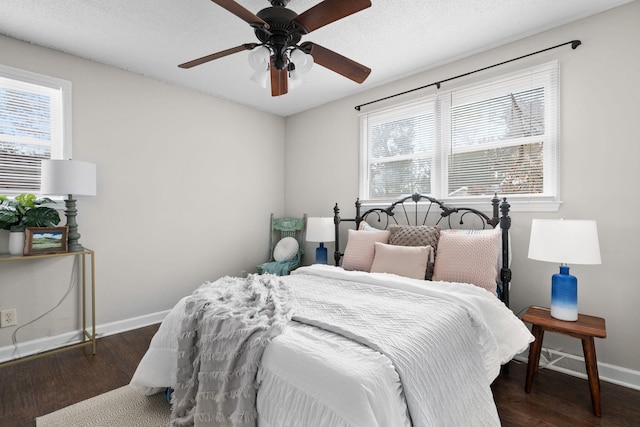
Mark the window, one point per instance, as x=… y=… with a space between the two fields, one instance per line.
x=497 y=136
x=35 y=124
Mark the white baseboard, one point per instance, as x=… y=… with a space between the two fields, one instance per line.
x=549 y=359
x=27 y=348
x=574 y=365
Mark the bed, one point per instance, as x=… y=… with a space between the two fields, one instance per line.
x=409 y=328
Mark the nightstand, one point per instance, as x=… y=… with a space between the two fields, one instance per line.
x=585 y=329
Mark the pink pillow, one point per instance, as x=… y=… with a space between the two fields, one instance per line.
x=358 y=255
x=469 y=258
x=407 y=261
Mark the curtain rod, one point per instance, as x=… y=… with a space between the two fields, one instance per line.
x=574 y=44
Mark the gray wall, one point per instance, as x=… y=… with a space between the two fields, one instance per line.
x=166 y=220
x=185 y=190
x=599 y=150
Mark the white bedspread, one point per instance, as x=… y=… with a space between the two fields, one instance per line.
x=312 y=377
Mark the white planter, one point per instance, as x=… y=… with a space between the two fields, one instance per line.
x=4 y=241
x=16 y=242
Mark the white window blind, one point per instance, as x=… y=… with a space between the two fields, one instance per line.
x=34 y=125
x=497 y=136
x=400 y=149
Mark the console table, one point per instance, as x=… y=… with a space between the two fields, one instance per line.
x=88 y=333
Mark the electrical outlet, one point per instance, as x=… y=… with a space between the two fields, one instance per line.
x=8 y=317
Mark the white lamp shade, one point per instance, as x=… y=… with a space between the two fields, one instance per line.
x=320 y=229
x=565 y=241
x=63 y=177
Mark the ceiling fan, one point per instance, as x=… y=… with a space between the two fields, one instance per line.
x=279 y=31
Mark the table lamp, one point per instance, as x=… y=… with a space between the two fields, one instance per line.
x=565 y=241
x=71 y=178
x=320 y=230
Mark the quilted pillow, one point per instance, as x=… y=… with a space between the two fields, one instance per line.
x=407 y=261
x=421 y=235
x=286 y=249
x=469 y=257
x=358 y=255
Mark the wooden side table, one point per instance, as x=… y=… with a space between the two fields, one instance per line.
x=585 y=329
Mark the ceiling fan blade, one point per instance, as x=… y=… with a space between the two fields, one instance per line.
x=336 y=62
x=246 y=46
x=327 y=12
x=241 y=13
x=279 y=80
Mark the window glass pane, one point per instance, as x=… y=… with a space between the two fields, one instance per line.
x=400 y=151
x=24 y=114
x=393 y=179
x=20 y=166
x=506 y=170
x=513 y=115
x=412 y=134
x=33 y=108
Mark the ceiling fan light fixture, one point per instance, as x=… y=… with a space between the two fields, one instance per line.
x=260 y=77
x=303 y=62
x=259 y=58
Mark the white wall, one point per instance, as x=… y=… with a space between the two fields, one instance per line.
x=599 y=148
x=185 y=191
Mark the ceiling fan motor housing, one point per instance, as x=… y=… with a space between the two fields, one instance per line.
x=280 y=35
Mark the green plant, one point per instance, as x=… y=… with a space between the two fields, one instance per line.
x=25 y=210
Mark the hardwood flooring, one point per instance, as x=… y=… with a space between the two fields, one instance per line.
x=40 y=386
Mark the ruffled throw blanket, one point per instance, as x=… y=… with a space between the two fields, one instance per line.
x=226 y=327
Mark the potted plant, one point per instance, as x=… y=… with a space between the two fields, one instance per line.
x=25 y=210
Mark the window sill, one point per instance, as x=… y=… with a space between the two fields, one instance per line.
x=481 y=204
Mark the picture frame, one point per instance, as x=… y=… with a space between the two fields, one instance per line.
x=45 y=240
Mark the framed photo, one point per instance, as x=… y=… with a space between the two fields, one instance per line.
x=45 y=240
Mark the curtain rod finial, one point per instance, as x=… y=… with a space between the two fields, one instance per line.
x=575 y=44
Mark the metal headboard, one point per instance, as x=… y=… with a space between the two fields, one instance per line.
x=424 y=208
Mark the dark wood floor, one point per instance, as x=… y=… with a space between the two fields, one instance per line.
x=40 y=386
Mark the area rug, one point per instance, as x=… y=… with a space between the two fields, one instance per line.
x=124 y=407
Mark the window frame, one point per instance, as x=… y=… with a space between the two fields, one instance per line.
x=547 y=201
x=62 y=124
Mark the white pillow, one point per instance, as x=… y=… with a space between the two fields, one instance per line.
x=286 y=249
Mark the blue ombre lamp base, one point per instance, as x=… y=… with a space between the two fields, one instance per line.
x=564 y=295
x=321 y=254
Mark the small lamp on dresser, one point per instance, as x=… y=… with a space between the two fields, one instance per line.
x=321 y=230
x=70 y=178
x=564 y=241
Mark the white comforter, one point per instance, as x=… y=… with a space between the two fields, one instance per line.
x=312 y=377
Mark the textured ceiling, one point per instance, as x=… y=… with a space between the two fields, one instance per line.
x=395 y=38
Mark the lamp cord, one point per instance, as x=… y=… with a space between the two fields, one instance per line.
x=72 y=284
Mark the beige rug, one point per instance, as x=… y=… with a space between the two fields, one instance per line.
x=124 y=407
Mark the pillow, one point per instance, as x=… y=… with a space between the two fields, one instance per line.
x=286 y=249
x=490 y=230
x=358 y=255
x=407 y=261
x=364 y=225
x=420 y=235
x=469 y=257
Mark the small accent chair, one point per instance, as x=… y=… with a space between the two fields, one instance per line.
x=281 y=228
